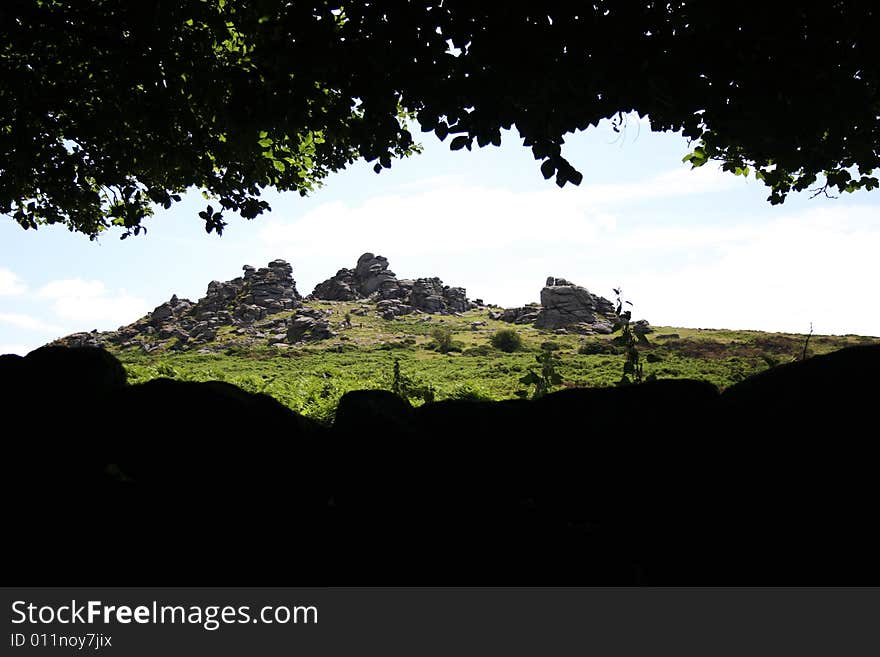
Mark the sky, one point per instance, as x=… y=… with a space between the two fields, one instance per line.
x=690 y=248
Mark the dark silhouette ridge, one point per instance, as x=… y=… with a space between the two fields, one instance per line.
x=840 y=380
x=54 y=402
x=376 y=412
x=662 y=483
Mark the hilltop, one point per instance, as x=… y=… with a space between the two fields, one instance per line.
x=264 y=308
x=259 y=332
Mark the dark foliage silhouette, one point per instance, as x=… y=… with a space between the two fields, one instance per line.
x=112 y=108
x=667 y=482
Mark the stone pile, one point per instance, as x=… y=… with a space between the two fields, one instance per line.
x=564 y=304
x=309 y=324
x=181 y=324
x=255 y=309
x=565 y=307
x=341 y=287
x=257 y=294
x=370 y=276
x=521 y=315
x=372 y=279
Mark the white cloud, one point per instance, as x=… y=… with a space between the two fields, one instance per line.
x=452 y=220
x=29 y=323
x=682 y=181
x=15 y=348
x=455 y=218
x=10 y=283
x=814 y=266
x=433 y=182
x=90 y=301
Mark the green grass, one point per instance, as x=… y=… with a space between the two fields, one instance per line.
x=311 y=379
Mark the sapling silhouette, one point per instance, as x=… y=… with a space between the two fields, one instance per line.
x=807 y=342
x=629 y=339
x=407 y=388
x=545 y=379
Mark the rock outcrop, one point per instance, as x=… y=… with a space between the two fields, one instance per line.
x=372 y=279
x=564 y=306
x=370 y=276
x=373 y=275
x=309 y=324
x=250 y=307
x=181 y=324
x=341 y=287
x=521 y=315
x=255 y=309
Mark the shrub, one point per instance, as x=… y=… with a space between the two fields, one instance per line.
x=469 y=391
x=479 y=350
x=547 y=377
x=442 y=336
x=550 y=346
x=399 y=344
x=320 y=401
x=507 y=340
x=408 y=387
x=442 y=340
x=165 y=370
x=342 y=348
x=597 y=347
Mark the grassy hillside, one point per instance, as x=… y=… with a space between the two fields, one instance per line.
x=311 y=379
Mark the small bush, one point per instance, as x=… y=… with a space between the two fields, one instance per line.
x=545 y=379
x=342 y=348
x=598 y=347
x=400 y=344
x=410 y=388
x=469 y=391
x=480 y=350
x=507 y=340
x=165 y=370
x=442 y=337
x=442 y=341
x=550 y=346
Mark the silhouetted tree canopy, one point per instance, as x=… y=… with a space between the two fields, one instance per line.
x=111 y=107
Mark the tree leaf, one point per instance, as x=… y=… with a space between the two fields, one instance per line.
x=459 y=142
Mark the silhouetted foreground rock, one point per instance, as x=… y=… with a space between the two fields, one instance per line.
x=664 y=483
